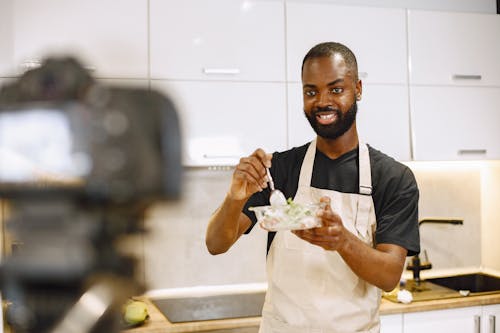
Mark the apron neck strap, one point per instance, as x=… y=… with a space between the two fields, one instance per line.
x=365 y=178
x=365 y=175
x=307 y=165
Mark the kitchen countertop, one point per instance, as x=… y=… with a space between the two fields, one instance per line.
x=158 y=323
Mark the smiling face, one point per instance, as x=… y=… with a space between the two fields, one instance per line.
x=330 y=89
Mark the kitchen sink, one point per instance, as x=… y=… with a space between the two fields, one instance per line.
x=450 y=287
x=474 y=283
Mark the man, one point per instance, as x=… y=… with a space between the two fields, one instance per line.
x=327 y=279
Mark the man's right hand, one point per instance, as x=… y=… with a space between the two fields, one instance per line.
x=250 y=176
x=228 y=222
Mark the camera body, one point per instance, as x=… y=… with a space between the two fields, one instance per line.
x=80 y=162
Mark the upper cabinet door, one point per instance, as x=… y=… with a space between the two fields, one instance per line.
x=109 y=37
x=383 y=119
x=456 y=123
x=299 y=129
x=217 y=40
x=377 y=36
x=224 y=121
x=385 y=126
x=454 y=48
x=6 y=42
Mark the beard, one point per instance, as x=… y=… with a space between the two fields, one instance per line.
x=338 y=127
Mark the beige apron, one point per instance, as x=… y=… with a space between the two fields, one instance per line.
x=313 y=290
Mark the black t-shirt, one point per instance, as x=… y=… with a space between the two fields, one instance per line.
x=394 y=190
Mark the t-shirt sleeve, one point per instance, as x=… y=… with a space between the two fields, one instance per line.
x=397 y=221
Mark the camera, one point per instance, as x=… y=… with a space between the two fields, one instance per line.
x=80 y=163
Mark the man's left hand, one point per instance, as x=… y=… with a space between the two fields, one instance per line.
x=331 y=235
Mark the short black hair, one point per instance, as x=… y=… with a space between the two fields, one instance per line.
x=328 y=49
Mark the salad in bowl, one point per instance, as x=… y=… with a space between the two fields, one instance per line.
x=289 y=216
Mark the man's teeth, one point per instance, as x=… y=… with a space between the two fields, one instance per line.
x=326 y=116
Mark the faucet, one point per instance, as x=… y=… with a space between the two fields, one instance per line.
x=416 y=265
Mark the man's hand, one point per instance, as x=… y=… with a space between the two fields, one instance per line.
x=331 y=235
x=228 y=222
x=249 y=176
x=381 y=266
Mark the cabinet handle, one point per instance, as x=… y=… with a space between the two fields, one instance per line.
x=466 y=77
x=472 y=151
x=492 y=323
x=225 y=71
x=31 y=64
x=477 y=324
x=220 y=156
x=35 y=63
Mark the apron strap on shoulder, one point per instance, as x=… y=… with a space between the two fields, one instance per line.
x=365 y=175
x=365 y=190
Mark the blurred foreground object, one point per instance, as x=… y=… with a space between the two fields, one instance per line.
x=80 y=162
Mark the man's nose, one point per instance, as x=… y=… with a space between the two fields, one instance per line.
x=324 y=99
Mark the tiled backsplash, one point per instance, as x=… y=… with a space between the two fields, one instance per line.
x=175 y=254
x=452 y=192
x=490 y=210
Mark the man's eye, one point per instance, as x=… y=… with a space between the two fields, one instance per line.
x=310 y=93
x=337 y=90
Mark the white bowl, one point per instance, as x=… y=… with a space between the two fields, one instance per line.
x=288 y=217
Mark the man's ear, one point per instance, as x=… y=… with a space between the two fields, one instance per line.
x=359 y=90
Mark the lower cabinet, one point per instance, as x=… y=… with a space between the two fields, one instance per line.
x=474 y=319
x=391 y=323
x=490 y=319
x=459 y=320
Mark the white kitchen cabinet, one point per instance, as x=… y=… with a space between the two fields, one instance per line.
x=299 y=129
x=391 y=323
x=224 y=121
x=125 y=83
x=377 y=36
x=454 y=48
x=455 y=123
x=459 y=320
x=382 y=119
x=109 y=37
x=217 y=40
x=490 y=319
x=6 y=42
